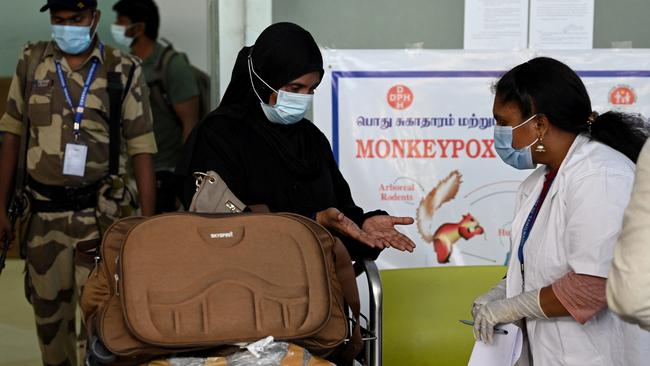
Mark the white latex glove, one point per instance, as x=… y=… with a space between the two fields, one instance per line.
x=497 y=292
x=506 y=311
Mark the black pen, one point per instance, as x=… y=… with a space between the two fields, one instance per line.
x=496 y=330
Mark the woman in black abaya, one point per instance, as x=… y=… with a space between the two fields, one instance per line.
x=261 y=145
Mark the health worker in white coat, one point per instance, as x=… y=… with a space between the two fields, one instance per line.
x=569 y=213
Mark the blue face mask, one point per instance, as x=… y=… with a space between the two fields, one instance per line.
x=119 y=34
x=289 y=108
x=517 y=158
x=72 y=40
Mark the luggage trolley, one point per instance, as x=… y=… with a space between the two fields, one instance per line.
x=372 y=335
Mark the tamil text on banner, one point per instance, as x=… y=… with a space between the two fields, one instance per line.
x=412 y=131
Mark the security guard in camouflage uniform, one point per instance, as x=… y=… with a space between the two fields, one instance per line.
x=67 y=157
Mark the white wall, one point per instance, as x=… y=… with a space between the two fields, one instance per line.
x=185 y=24
x=240 y=22
x=213 y=47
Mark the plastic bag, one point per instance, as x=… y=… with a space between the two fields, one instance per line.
x=265 y=352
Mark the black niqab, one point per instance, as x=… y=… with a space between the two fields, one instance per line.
x=281 y=54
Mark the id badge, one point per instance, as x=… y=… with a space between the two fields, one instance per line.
x=74 y=160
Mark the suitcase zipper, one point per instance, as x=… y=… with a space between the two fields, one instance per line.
x=97 y=258
x=117 y=281
x=116 y=276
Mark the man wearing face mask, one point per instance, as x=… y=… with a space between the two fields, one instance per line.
x=174 y=91
x=60 y=99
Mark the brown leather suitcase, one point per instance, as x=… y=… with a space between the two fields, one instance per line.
x=180 y=282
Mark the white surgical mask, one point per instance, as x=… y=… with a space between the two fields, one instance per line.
x=289 y=108
x=72 y=39
x=119 y=34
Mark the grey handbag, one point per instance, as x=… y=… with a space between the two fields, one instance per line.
x=213 y=195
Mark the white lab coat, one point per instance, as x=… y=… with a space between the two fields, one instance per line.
x=576 y=230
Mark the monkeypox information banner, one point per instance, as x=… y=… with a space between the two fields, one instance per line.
x=412 y=131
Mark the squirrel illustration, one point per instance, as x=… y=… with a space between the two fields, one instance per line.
x=444 y=192
x=448 y=234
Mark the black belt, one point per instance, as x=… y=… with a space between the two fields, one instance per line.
x=63 y=199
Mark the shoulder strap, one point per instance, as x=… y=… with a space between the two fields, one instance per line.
x=166 y=56
x=159 y=86
x=117 y=92
x=35 y=57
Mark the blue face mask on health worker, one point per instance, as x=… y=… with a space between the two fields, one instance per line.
x=517 y=158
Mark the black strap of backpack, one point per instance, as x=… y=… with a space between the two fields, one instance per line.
x=158 y=86
x=116 y=95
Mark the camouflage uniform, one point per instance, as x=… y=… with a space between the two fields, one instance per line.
x=52 y=276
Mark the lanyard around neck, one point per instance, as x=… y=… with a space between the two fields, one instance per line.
x=532 y=216
x=78 y=111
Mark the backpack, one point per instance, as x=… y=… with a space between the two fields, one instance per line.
x=184 y=282
x=158 y=86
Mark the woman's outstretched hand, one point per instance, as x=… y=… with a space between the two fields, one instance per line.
x=382 y=228
x=335 y=220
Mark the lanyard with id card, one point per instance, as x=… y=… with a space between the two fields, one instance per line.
x=76 y=154
x=530 y=221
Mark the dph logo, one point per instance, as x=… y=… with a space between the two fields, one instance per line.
x=400 y=97
x=622 y=95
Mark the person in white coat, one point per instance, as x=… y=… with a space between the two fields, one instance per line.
x=569 y=212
